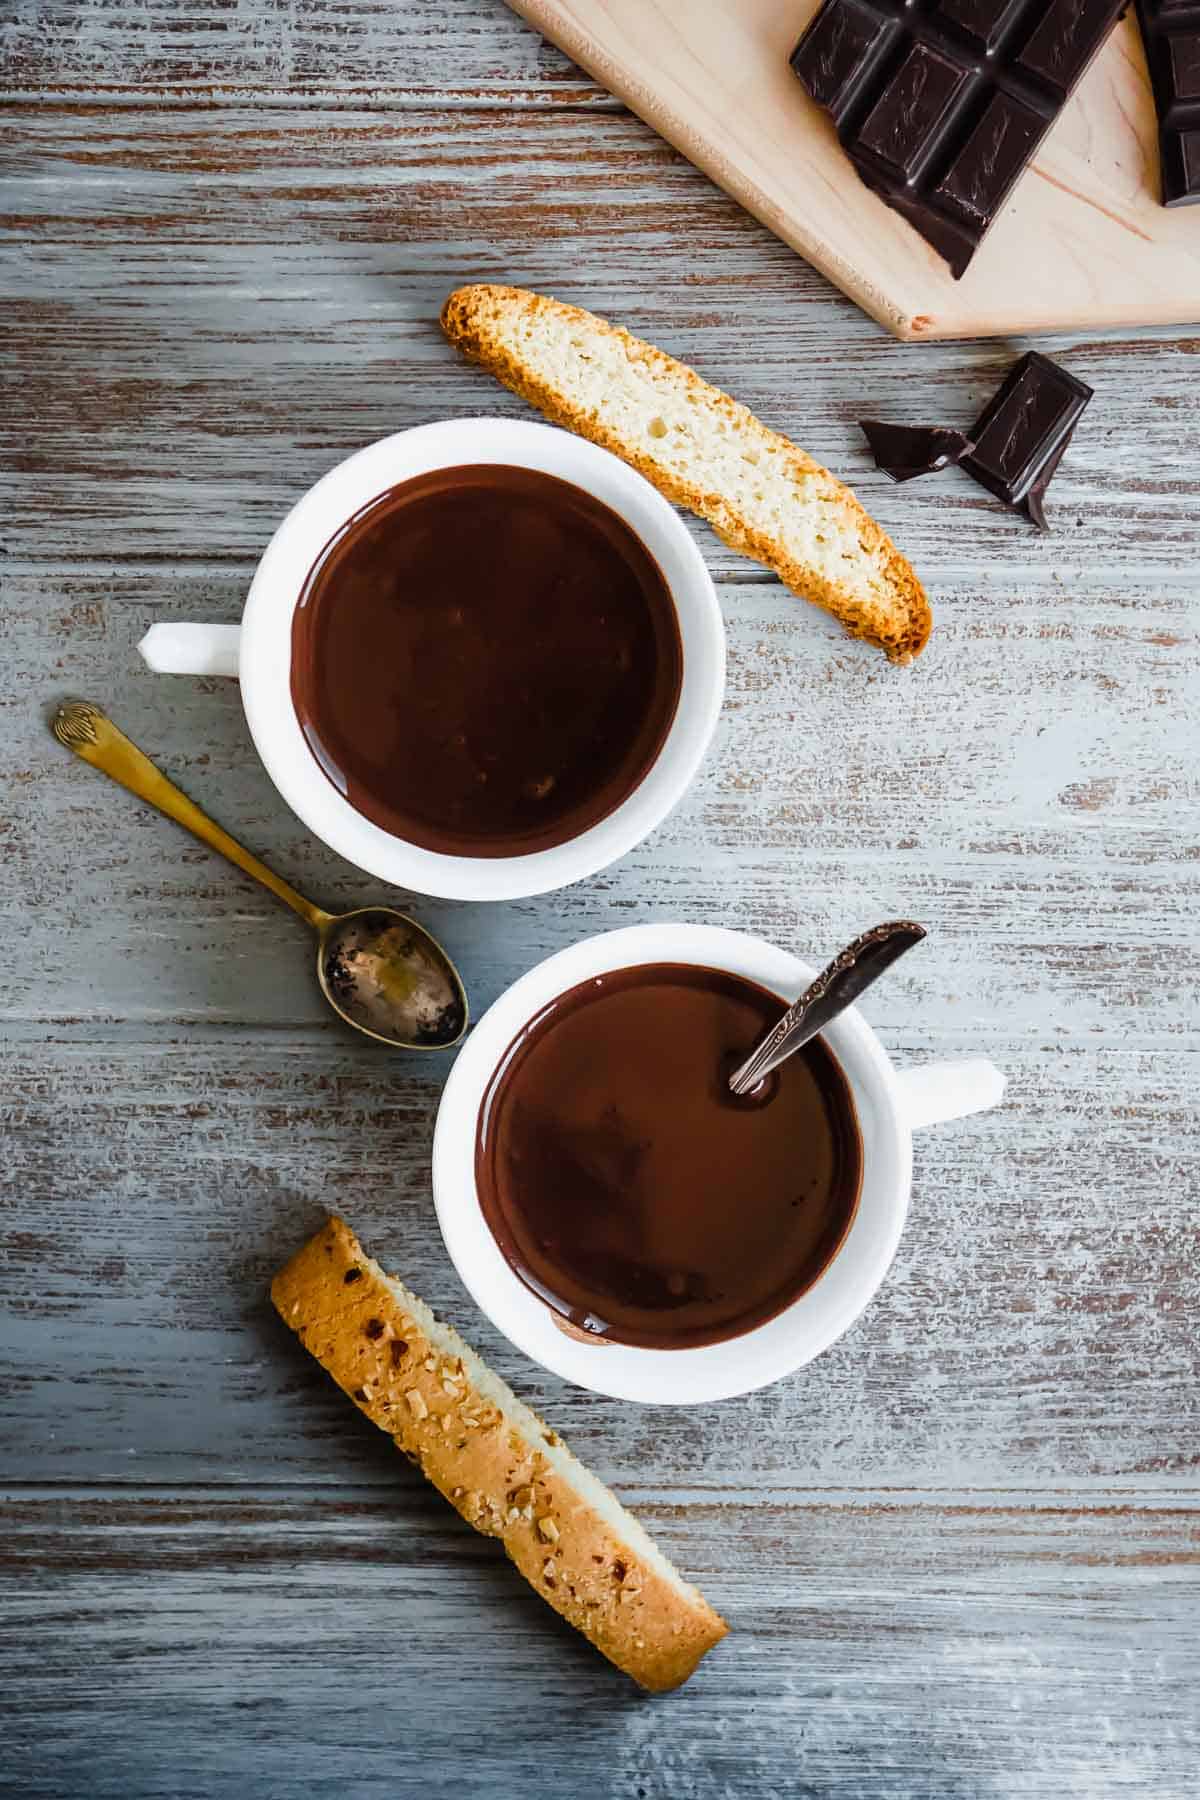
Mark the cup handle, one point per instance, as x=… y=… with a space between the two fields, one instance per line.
x=935 y=1092
x=191 y=649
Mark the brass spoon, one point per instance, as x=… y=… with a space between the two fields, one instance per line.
x=379 y=970
x=836 y=988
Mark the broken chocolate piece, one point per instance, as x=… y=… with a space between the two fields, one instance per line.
x=941 y=108
x=906 y=451
x=1013 y=448
x=1171 y=34
x=1022 y=432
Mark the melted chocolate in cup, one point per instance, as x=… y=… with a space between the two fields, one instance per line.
x=486 y=661
x=630 y=1190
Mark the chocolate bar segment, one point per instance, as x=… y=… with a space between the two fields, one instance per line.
x=1022 y=432
x=906 y=451
x=992 y=159
x=1171 y=34
x=941 y=104
x=841 y=46
x=902 y=127
x=1063 y=42
x=984 y=21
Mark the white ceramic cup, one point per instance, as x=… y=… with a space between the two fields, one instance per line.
x=891 y=1103
x=259 y=653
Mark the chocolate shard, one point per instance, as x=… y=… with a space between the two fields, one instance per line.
x=1020 y=435
x=1171 y=34
x=941 y=104
x=906 y=451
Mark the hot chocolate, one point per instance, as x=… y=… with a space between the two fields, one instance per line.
x=627 y=1186
x=486 y=661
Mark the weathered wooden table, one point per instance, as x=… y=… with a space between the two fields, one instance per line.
x=960 y=1551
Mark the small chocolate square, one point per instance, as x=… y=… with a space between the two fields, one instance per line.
x=991 y=160
x=1064 y=42
x=1022 y=432
x=1181 y=168
x=984 y=21
x=1184 y=53
x=1171 y=35
x=905 y=121
x=845 y=39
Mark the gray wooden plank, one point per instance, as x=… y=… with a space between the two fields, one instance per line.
x=217 y=302
x=66 y=47
x=1027 y=790
x=218 y=306
x=1037 y=1329
x=170 y=1645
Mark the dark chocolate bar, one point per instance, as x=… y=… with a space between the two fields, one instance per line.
x=1171 y=34
x=906 y=451
x=1022 y=432
x=941 y=104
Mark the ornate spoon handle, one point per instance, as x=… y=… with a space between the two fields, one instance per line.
x=91 y=734
x=835 y=988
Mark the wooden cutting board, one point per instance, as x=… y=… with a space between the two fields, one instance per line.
x=1083 y=242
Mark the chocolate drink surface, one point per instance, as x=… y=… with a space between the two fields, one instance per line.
x=486 y=661
x=628 y=1187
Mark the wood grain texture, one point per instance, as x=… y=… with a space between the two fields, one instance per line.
x=389 y=49
x=874 y=1653
x=1043 y=835
x=1083 y=240
x=960 y=1550
x=217 y=308
x=1036 y=1330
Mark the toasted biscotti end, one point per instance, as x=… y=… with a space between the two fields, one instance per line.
x=705 y=451
x=501 y=1466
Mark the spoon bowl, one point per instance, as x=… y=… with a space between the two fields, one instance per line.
x=385 y=975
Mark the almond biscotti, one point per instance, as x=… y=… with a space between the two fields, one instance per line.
x=501 y=1466
x=705 y=451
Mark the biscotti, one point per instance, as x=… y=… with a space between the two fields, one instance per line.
x=504 y=1470
x=705 y=451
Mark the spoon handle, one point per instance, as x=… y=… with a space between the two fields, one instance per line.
x=835 y=988
x=92 y=735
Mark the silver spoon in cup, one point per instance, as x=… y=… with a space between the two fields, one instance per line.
x=836 y=987
x=379 y=970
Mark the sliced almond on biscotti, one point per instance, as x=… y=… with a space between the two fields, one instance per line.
x=501 y=1466
x=761 y=493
